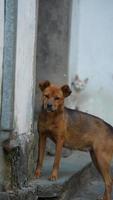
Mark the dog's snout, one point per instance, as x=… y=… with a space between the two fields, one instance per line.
x=49 y=105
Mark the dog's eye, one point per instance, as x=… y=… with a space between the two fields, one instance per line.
x=57 y=98
x=47 y=96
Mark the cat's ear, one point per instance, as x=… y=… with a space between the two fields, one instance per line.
x=86 y=80
x=76 y=78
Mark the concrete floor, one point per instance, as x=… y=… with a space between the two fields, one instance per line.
x=91 y=187
x=78 y=180
x=70 y=166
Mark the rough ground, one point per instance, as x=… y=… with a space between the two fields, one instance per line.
x=78 y=180
x=42 y=187
x=89 y=187
x=70 y=166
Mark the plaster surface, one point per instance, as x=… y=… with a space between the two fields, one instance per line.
x=53 y=42
x=1 y=41
x=91 y=55
x=25 y=68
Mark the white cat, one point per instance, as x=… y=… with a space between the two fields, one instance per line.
x=79 y=85
x=78 y=94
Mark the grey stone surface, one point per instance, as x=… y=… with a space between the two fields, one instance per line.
x=1 y=42
x=88 y=185
x=7 y=105
x=29 y=193
x=1 y=168
x=69 y=167
x=23 y=163
x=9 y=57
x=17 y=165
x=4 y=196
x=78 y=179
x=19 y=168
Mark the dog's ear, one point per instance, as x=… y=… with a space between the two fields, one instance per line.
x=44 y=84
x=66 y=90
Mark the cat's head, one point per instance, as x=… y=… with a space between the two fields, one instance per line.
x=79 y=84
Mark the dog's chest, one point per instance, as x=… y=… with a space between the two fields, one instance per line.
x=51 y=129
x=49 y=125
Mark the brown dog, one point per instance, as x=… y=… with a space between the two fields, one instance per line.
x=75 y=130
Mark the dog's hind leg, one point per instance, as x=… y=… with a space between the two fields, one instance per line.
x=95 y=161
x=102 y=163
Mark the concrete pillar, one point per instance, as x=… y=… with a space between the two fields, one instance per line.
x=53 y=41
x=25 y=65
x=24 y=90
x=2 y=166
x=9 y=65
x=1 y=42
x=74 y=38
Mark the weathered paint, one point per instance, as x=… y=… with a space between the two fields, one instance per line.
x=24 y=90
x=1 y=41
x=8 y=78
x=25 y=60
x=1 y=62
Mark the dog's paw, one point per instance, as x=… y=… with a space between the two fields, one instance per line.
x=53 y=176
x=37 y=173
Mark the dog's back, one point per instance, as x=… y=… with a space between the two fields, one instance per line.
x=85 y=130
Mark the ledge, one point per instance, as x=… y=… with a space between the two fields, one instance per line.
x=43 y=188
x=69 y=167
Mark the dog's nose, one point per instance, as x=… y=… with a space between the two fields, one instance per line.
x=49 y=105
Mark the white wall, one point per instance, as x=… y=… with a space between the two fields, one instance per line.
x=25 y=65
x=73 y=56
x=1 y=41
x=92 y=47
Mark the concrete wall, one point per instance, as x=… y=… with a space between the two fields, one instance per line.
x=25 y=77
x=1 y=41
x=53 y=42
x=25 y=65
x=25 y=81
x=52 y=46
x=53 y=54
x=73 y=40
x=1 y=63
x=91 y=54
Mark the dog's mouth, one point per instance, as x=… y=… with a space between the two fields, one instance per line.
x=50 y=109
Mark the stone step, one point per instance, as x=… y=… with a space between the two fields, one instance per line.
x=86 y=185
x=70 y=166
x=42 y=188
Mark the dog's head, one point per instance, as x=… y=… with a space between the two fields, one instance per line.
x=53 y=96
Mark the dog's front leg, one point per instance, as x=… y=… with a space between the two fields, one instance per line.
x=41 y=152
x=54 y=173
